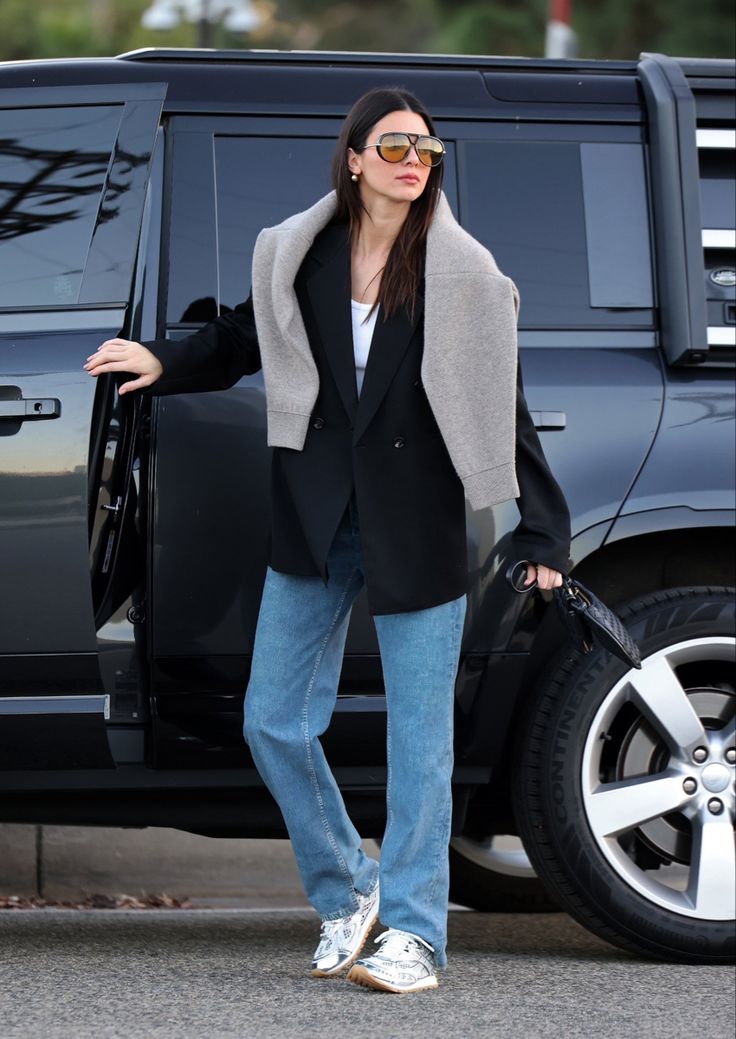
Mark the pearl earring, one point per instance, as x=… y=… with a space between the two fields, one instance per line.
x=354 y=176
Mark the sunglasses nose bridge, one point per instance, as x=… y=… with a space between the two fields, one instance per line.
x=412 y=147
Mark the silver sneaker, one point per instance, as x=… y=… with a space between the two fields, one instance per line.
x=405 y=963
x=341 y=940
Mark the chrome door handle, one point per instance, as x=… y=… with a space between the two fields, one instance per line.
x=30 y=407
x=548 y=419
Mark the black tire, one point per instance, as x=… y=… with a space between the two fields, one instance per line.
x=485 y=882
x=609 y=862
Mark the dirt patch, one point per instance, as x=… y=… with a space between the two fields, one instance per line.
x=162 y=901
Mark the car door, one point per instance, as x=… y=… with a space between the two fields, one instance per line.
x=75 y=165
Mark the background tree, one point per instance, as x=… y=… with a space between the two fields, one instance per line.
x=617 y=29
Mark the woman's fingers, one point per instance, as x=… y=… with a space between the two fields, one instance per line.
x=111 y=344
x=118 y=342
x=547 y=577
x=136 y=384
x=97 y=360
x=111 y=351
x=125 y=355
x=97 y=368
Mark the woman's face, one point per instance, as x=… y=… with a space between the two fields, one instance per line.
x=398 y=181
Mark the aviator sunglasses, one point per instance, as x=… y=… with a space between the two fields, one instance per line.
x=393 y=147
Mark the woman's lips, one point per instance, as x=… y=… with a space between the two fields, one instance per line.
x=412 y=177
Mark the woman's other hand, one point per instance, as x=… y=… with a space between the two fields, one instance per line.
x=545 y=576
x=124 y=355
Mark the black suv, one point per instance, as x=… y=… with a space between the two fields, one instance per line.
x=133 y=531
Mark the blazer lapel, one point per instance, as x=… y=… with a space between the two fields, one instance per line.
x=329 y=293
x=330 y=290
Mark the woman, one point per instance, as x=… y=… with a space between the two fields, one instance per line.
x=387 y=338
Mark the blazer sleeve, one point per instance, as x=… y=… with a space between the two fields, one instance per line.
x=543 y=533
x=214 y=358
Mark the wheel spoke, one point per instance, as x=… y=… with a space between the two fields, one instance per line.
x=711 y=887
x=727 y=734
x=666 y=704
x=617 y=807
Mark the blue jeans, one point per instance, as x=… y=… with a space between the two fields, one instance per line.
x=297 y=658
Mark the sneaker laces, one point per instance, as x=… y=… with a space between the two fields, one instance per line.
x=398 y=941
x=328 y=927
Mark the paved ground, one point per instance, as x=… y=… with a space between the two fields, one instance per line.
x=207 y=974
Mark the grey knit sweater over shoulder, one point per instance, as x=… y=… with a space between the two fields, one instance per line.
x=470 y=346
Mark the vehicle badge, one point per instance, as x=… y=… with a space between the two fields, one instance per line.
x=723 y=276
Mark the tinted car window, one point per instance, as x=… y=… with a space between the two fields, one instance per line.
x=53 y=168
x=228 y=187
x=259 y=182
x=577 y=246
x=717 y=197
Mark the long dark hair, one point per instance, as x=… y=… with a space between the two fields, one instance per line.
x=404 y=268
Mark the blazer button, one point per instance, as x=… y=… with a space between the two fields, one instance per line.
x=399 y=441
x=417 y=384
x=318 y=423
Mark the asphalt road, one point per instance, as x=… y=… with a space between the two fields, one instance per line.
x=201 y=973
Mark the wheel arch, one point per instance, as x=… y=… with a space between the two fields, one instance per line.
x=664 y=548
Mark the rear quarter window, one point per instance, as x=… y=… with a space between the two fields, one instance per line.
x=569 y=222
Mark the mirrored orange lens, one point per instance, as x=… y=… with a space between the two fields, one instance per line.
x=429 y=151
x=394 y=146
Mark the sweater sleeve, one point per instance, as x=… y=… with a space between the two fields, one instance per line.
x=543 y=533
x=213 y=358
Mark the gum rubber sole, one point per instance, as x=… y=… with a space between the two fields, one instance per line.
x=361 y=976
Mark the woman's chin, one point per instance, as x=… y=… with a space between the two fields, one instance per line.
x=401 y=192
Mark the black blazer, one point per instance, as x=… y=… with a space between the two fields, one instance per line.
x=385 y=444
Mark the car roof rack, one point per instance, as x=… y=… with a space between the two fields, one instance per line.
x=296 y=57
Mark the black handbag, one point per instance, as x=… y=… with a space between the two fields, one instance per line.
x=584 y=616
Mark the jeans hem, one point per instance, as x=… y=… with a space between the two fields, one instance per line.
x=349 y=912
x=374 y=882
x=341 y=913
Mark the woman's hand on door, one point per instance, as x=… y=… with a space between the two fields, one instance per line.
x=125 y=355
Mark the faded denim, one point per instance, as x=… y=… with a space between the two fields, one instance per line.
x=292 y=691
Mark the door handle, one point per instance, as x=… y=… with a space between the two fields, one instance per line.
x=548 y=419
x=30 y=407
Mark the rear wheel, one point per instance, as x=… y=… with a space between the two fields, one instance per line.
x=495 y=876
x=625 y=781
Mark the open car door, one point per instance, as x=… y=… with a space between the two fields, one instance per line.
x=75 y=166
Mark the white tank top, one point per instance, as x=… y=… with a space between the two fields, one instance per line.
x=362 y=336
